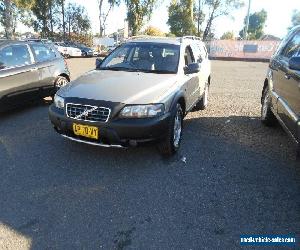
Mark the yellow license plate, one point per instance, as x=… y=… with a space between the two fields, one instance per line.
x=86 y=131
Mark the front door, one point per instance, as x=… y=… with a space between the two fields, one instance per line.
x=192 y=80
x=17 y=73
x=286 y=84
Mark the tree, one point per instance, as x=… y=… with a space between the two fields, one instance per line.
x=104 y=14
x=229 y=35
x=295 y=18
x=181 y=18
x=219 y=8
x=137 y=12
x=46 y=14
x=9 y=15
x=77 y=19
x=199 y=17
x=153 y=31
x=257 y=22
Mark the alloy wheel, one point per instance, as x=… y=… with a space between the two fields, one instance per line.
x=177 y=128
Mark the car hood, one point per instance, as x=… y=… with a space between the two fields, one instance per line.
x=119 y=86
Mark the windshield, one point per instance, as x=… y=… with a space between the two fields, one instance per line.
x=146 y=57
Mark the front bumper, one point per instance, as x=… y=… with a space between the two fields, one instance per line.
x=116 y=132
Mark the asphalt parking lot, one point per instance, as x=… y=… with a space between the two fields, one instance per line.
x=232 y=176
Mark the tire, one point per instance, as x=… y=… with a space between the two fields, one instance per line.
x=171 y=143
x=203 y=102
x=60 y=82
x=267 y=116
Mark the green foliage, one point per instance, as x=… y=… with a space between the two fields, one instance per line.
x=25 y=4
x=180 y=18
x=9 y=15
x=153 y=31
x=229 y=35
x=257 y=22
x=219 y=8
x=46 y=13
x=137 y=12
x=295 y=18
x=77 y=19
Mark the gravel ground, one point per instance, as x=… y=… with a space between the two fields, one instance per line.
x=239 y=177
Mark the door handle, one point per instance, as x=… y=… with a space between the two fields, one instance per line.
x=287 y=76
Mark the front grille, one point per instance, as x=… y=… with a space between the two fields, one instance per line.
x=87 y=112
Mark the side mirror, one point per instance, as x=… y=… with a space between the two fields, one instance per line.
x=98 y=62
x=192 y=68
x=294 y=63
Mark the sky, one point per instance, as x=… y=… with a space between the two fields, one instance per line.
x=279 y=16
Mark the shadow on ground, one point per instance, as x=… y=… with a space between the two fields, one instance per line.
x=65 y=195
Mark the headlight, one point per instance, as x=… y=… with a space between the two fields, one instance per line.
x=142 y=111
x=59 y=102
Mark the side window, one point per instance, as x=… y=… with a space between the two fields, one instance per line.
x=197 y=53
x=292 y=48
x=188 y=56
x=14 y=56
x=42 y=52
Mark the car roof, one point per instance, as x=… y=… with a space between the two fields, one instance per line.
x=155 y=40
x=164 y=40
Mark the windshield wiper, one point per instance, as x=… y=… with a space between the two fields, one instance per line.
x=138 y=70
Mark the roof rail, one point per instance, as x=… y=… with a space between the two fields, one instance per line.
x=148 y=37
x=192 y=38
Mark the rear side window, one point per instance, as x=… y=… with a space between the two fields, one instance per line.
x=199 y=52
x=43 y=53
x=292 y=48
x=14 y=56
x=188 y=56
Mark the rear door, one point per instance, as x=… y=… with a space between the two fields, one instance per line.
x=46 y=61
x=18 y=75
x=201 y=57
x=286 y=84
x=192 y=80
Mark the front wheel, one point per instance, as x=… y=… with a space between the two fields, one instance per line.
x=171 y=143
x=60 y=82
x=267 y=116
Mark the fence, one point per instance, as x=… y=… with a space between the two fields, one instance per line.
x=244 y=50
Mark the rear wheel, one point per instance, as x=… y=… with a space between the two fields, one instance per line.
x=267 y=116
x=171 y=143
